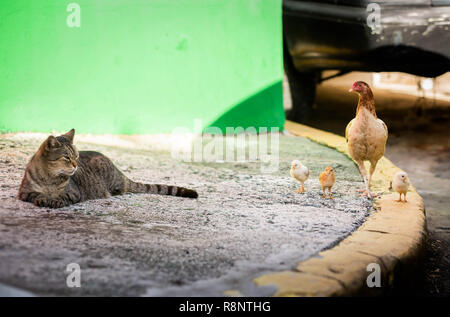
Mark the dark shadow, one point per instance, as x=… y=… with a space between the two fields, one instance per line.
x=263 y=109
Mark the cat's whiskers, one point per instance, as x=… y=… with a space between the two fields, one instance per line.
x=80 y=168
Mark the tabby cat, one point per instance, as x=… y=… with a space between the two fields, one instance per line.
x=58 y=175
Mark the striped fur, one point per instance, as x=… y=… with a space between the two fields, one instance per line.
x=159 y=189
x=58 y=175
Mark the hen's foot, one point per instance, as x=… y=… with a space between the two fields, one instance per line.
x=368 y=194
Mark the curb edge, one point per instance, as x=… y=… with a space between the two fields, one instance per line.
x=394 y=237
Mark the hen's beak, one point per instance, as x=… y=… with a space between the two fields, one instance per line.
x=350 y=90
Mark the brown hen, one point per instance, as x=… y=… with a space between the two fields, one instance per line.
x=366 y=135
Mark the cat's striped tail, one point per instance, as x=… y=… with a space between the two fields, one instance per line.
x=134 y=187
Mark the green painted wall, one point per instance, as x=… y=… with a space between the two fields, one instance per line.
x=140 y=66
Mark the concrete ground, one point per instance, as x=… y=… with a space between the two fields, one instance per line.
x=426 y=158
x=419 y=143
x=245 y=223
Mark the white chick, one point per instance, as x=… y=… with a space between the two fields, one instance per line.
x=300 y=172
x=400 y=184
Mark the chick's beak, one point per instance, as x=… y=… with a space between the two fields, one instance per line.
x=350 y=90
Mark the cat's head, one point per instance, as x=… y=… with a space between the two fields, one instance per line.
x=60 y=154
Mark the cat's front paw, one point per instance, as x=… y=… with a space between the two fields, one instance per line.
x=56 y=203
x=51 y=203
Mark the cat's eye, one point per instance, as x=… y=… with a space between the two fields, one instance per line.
x=66 y=158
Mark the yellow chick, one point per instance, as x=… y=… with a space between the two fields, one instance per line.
x=327 y=180
x=300 y=172
x=400 y=184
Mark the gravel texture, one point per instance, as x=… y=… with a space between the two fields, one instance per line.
x=245 y=223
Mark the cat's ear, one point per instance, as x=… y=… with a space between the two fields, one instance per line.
x=51 y=143
x=69 y=135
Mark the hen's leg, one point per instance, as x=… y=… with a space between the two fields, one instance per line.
x=363 y=171
x=373 y=165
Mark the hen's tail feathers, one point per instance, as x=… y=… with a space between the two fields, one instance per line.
x=134 y=187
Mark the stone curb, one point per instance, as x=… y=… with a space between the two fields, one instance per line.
x=393 y=237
